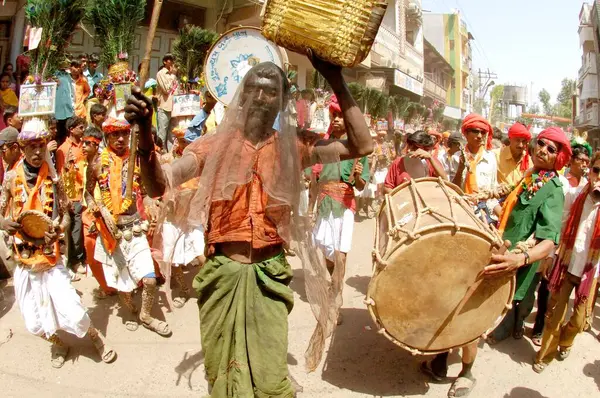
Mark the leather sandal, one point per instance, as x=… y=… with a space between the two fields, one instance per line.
x=59 y=355
x=107 y=354
x=159 y=327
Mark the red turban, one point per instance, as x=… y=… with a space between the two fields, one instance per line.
x=557 y=136
x=519 y=131
x=334 y=105
x=475 y=121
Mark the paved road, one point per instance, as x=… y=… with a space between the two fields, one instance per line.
x=358 y=363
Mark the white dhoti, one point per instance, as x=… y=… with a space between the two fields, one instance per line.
x=49 y=302
x=367 y=193
x=303 y=203
x=334 y=233
x=379 y=176
x=128 y=265
x=181 y=248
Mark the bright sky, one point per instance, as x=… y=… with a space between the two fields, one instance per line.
x=523 y=41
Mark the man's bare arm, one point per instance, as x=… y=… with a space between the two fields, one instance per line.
x=359 y=142
x=92 y=175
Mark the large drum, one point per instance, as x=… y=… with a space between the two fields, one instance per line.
x=427 y=294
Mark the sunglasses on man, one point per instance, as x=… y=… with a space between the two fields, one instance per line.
x=551 y=149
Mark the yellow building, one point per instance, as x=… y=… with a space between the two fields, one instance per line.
x=449 y=35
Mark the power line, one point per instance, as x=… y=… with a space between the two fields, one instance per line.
x=480 y=49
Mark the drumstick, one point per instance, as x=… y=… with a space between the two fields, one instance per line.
x=351 y=178
x=500 y=250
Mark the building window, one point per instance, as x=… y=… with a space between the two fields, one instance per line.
x=453 y=84
x=451 y=45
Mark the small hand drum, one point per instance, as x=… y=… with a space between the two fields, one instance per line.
x=34 y=224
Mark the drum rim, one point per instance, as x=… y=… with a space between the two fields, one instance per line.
x=370 y=302
x=281 y=51
x=39 y=214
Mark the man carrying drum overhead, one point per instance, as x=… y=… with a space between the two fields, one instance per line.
x=534 y=207
x=250 y=176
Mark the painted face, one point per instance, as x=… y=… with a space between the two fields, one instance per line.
x=544 y=154
x=35 y=152
x=262 y=97
x=118 y=142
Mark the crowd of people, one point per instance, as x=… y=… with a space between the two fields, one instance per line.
x=234 y=193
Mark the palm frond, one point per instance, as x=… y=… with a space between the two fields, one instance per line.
x=58 y=20
x=115 y=22
x=356 y=90
x=190 y=50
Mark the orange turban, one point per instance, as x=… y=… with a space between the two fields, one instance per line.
x=475 y=121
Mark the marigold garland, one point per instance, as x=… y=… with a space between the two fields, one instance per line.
x=104 y=183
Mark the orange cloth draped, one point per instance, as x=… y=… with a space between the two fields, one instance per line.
x=115 y=179
x=34 y=202
x=510 y=203
x=471 y=179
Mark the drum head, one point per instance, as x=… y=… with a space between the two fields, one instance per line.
x=34 y=224
x=233 y=55
x=416 y=296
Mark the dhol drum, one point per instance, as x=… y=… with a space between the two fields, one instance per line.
x=427 y=293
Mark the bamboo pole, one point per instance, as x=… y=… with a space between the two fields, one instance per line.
x=144 y=71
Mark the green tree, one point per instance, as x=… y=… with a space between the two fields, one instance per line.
x=544 y=97
x=496 y=96
x=564 y=100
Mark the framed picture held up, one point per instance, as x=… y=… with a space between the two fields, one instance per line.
x=37 y=100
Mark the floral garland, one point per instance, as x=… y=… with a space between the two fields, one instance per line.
x=537 y=183
x=104 y=184
x=46 y=195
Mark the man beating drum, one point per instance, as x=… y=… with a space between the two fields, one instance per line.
x=534 y=207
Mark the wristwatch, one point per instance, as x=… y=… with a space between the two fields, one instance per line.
x=527 y=258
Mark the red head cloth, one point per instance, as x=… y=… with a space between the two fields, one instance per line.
x=557 y=136
x=475 y=121
x=334 y=105
x=519 y=131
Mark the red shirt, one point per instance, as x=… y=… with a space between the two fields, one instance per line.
x=398 y=175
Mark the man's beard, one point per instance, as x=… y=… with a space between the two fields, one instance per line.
x=257 y=124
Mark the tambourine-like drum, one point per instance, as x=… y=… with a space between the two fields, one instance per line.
x=34 y=225
x=427 y=294
x=233 y=55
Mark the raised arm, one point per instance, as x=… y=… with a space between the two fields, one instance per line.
x=359 y=142
x=154 y=178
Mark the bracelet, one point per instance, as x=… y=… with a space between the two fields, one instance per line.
x=527 y=258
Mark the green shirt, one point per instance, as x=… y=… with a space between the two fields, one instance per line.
x=339 y=171
x=540 y=216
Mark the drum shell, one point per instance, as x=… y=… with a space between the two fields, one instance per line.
x=423 y=271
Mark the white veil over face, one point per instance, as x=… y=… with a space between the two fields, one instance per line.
x=258 y=138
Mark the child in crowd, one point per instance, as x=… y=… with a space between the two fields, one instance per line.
x=70 y=165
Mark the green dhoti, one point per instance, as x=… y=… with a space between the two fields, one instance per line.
x=244 y=327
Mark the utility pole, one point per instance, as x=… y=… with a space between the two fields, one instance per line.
x=486 y=81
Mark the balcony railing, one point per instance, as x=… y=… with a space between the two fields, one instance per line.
x=433 y=89
x=589 y=66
